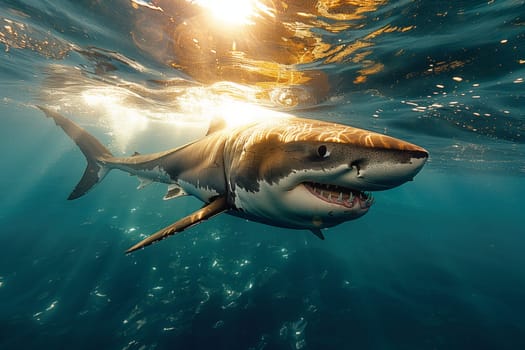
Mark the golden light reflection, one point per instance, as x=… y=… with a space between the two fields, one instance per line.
x=279 y=48
x=343 y=10
x=18 y=35
x=280 y=45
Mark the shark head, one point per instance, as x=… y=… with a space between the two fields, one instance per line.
x=309 y=174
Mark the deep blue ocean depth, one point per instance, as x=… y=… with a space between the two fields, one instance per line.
x=437 y=263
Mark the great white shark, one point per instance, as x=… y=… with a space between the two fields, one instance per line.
x=287 y=172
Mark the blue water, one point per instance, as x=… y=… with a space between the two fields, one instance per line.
x=437 y=263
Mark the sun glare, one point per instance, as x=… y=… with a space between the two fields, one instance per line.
x=231 y=12
x=193 y=111
x=124 y=122
x=202 y=104
x=238 y=113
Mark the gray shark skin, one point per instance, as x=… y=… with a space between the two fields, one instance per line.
x=286 y=172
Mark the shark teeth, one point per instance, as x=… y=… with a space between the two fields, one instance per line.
x=340 y=195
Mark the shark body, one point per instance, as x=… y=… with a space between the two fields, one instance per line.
x=290 y=172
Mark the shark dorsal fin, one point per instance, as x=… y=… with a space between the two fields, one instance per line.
x=174 y=191
x=211 y=209
x=216 y=124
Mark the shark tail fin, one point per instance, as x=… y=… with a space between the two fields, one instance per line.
x=93 y=150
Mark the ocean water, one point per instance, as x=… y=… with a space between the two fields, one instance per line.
x=437 y=263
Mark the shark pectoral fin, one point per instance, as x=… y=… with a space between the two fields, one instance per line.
x=213 y=208
x=174 y=191
x=318 y=233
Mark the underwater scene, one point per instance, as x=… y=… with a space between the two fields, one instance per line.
x=429 y=254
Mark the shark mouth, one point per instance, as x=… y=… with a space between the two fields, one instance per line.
x=338 y=195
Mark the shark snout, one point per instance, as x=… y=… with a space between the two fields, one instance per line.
x=389 y=168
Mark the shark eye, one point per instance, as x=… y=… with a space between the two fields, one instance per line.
x=323 y=151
